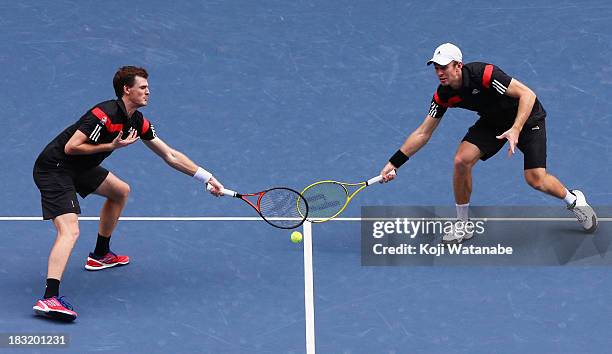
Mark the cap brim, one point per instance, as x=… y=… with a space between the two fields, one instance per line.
x=439 y=61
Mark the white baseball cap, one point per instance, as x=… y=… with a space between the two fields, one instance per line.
x=446 y=53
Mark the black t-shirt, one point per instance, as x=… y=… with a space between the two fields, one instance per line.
x=101 y=124
x=483 y=91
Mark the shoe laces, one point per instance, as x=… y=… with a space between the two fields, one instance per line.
x=65 y=303
x=580 y=214
x=458 y=225
x=109 y=254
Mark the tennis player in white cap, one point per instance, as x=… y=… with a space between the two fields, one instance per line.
x=508 y=111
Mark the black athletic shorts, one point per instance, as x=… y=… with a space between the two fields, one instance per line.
x=532 y=141
x=58 y=188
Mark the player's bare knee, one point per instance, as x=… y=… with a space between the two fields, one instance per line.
x=71 y=233
x=462 y=164
x=536 y=181
x=122 y=192
x=67 y=226
x=125 y=191
x=74 y=234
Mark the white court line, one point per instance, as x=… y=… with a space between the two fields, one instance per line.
x=309 y=289
x=256 y=218
x=452 y=219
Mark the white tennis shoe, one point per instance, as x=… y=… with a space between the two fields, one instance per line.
x=584 y=213
x=459 y=232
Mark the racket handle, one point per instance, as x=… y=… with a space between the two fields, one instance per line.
x=226 y=192
x=374 y=180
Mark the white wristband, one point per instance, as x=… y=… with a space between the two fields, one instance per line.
x=202 y=175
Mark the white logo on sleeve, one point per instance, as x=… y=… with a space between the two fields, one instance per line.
x=95 y=134
x=433 y=109
x=153 y=131
x=499 y=87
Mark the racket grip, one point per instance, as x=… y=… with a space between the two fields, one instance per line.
x=374 y=180
x=226 y=192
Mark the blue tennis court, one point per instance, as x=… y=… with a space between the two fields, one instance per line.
x=273 y=92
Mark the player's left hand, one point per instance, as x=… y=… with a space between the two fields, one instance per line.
x=119 y=142
x=217 y=187
x=512 y=136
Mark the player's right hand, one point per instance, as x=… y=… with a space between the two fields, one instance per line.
x=388 y=172
x=217 y=187
x=118 y=143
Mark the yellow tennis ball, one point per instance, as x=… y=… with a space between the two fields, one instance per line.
x=296 y=237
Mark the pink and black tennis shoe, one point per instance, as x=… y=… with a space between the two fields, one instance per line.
x=56 y=308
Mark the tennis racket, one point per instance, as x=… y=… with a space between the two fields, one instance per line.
x=280 y=207
x=328 y=199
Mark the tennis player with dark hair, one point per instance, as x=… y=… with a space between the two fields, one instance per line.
x=70 y=164
x=508 y=111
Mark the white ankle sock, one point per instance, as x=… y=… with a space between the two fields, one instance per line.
x=462 y=211
x=569 y=198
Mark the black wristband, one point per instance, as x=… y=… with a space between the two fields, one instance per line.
x=398 y=159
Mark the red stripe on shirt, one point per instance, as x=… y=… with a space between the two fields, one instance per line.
x=454 y=100
x=486 y=76
x=450 y=103
x=439 y=101
x=107 y=122
x=145 y=125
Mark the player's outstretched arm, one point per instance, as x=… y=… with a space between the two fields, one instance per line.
x=182 y=163
x=415 y=141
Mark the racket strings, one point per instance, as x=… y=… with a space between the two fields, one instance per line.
x=283 y=203
x=325 y=199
